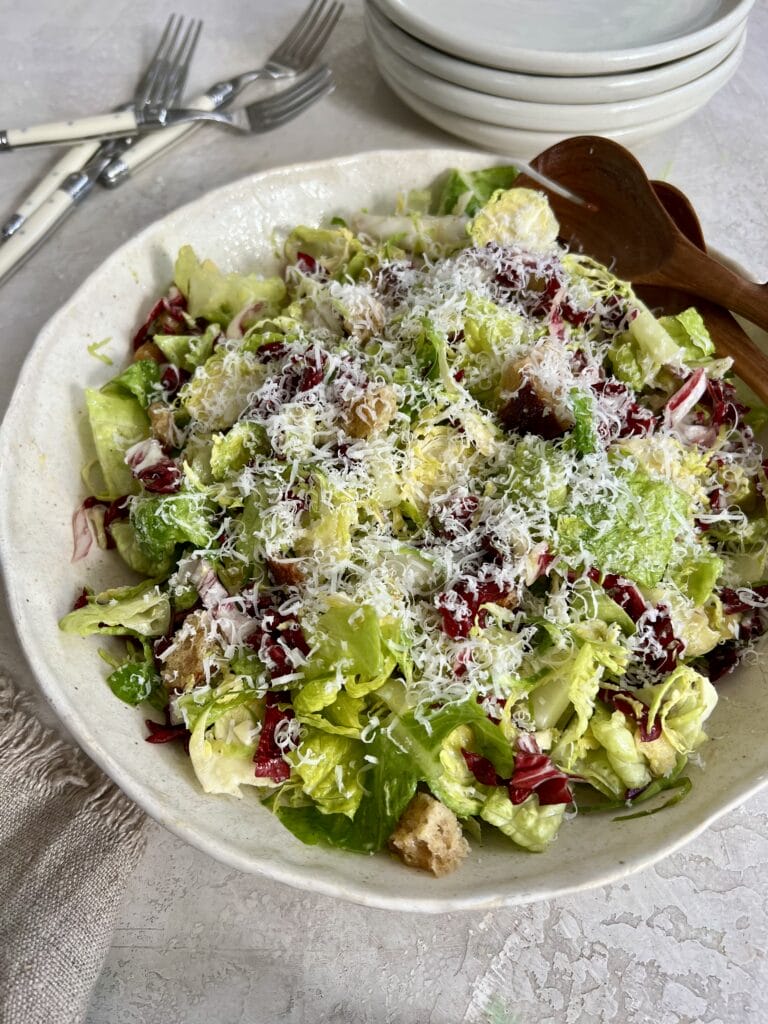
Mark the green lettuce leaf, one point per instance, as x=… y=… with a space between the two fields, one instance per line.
x=117 y=422
x=689 y=332
x=223 y=742
x=465 y=192
x=163 y=521
x=143 y=610
x=232 y=451
x=215 y=296
x=218 y=393
x=616 y=735
x=188 y=350
x=141 y=379
x=572 y=683
x=335 y=249
x=585 y=427
x=681 y=703
x=528 y=824
x=347 y=641
x=631 y=532
x=329 y=768
x=390 y=784
x=132 y=553
x=134 y=682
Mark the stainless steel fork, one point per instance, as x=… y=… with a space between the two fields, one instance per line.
x=76 y=157
x=162 y=82
x=261 y=116
x=296 y=53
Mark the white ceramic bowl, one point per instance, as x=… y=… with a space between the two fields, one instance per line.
x=41 y=453
x=549 y=88
x=520 y=142
x=567 y=37
x=585 y=118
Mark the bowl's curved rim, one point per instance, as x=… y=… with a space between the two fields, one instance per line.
x=66 y=711
x=506 y=57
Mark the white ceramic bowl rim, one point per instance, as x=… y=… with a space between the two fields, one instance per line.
x=550 y=88
x=452 y=32
x=370 y=881
x=567 y=117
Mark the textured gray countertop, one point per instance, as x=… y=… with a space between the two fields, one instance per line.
x=197 y=942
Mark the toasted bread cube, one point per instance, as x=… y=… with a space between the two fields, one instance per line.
x=371 y=412
x=163 y=425
x=184 y=664
x=429 y=836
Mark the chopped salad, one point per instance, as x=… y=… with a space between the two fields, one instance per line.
x=440 y=529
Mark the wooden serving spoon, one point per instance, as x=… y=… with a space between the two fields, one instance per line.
x=727 y=333
x=622 y=223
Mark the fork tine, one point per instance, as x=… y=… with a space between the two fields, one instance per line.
x=159 y=79
x=319 y=90
x=285 y=45
x=265 y=114
x=180 y=68
x=144 y=84
x=315 y=44
x=155 y=67
x=274 y=105
x=177 y=67
x=307 y=28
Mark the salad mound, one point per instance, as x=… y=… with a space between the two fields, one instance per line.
x=441 y=528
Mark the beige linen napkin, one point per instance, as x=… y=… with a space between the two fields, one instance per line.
x=68 y=842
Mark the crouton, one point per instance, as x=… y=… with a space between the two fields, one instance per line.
x=184 y=664
x=364 y=317
x=148 y=350
x=285 y=572
x=429 y=836
x=372 y=411
x=163 y=425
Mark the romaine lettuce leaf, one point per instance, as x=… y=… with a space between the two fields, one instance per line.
x=390 y=784
x=689 y=332
x=163 y=521
x=141 y=379
x=215 y=296
x=329 y=768
x=188 y=351
x=528 y=824
x=117 y=422
x=465 y=192
x=681 y=703
x=631 y=532
x=143 y=610
x=616 y=735
x=223 y=743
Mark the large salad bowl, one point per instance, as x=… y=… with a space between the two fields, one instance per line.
x=42 y=446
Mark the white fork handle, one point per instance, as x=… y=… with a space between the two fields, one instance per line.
x=99 y=127
x=36 y=229
x=147 y=147
x=72 y=161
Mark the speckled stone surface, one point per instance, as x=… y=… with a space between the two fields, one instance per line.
x=681 y=943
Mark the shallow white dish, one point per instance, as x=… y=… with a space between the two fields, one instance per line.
x=560 y=37
x=40 y=460
x=520 y=142
x=546 y=88
x=586 y=118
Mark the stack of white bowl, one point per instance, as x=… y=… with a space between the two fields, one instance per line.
x=517 y=76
